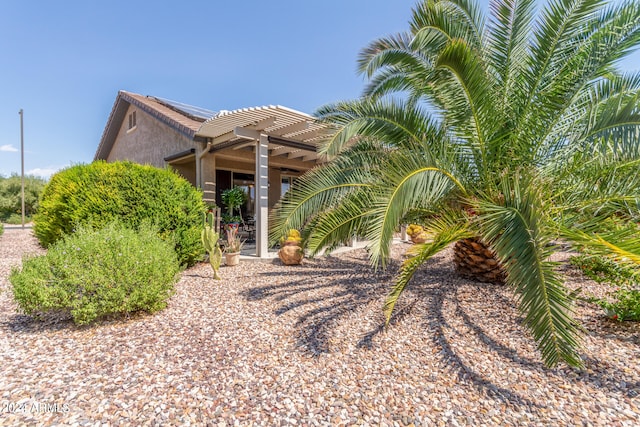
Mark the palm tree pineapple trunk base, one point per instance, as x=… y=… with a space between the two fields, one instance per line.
x=475 y=261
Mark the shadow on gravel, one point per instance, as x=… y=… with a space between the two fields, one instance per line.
x=51 y=322
x=19 y=323
x=356 y=285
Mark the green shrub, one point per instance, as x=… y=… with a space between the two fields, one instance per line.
x=100 y=192
x=16 y=219
x=623 y=302
x=1 y=229
x=90 y=274
x=11 y=199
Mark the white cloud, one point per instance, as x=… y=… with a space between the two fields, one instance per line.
x=43 y=172
x=9 y=148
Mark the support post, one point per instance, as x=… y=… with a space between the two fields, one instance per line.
x=201 y=151
x=22 y=161
x=262 y=196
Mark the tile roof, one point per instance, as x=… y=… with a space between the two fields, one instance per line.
x=171 y=115
x=181 y=121
x=283 y=125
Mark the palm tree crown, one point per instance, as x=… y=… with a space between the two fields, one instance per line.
x=516 y=128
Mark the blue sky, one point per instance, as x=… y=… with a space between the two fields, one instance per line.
x=64 y=62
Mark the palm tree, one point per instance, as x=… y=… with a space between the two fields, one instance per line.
x=507 y=132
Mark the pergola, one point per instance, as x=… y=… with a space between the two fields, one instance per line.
x=270 y=131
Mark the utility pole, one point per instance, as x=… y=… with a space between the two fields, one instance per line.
x=22 y=160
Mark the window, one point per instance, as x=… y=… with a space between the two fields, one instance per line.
x=132 y=120
x=286 y=184
x=227 y=179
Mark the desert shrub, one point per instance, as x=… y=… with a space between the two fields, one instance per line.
x=94 y=273
x=11 y=199
x=100 y=192
x=623 y=301
x=15 y=219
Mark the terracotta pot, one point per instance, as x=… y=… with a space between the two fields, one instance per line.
x=420 y=237
x=232 y=258
x=291 y=255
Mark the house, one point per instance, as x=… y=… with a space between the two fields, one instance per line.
x=261 y=149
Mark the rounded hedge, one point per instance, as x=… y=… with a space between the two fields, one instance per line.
x=90 y=274
x=100 y=192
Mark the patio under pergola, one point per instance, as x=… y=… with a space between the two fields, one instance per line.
x=269 y=135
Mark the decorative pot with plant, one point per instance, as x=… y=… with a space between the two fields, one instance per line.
x=233 y=199
x=210 y=241
x=417 y=233
x=291 y=252
x=232 y=247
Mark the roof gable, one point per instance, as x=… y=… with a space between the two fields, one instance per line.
x=168 y=112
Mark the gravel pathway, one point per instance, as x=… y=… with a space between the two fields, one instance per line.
x=275 y=345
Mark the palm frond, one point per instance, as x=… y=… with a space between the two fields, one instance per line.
x=620 y=242
x=515 y=230
x=598 y=188
x=457 y=19
x=335 y=225
x=508 y=42
x=588 y=53
x=388 y=120
x=445 y=229
x=407 y=181
x=324 y=187
x=478 y=96
x=387 y=51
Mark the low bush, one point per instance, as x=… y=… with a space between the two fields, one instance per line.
x=101 y=192
x=1 y=229
x=90 y=274
x=15 y=219
x=11 y=197
x=623 y=302
x=603 y=270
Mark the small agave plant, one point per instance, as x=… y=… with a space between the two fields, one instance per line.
x=210 y=241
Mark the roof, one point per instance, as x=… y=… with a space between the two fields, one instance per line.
x=284 y=126
x=198 y=114
x=171 y=115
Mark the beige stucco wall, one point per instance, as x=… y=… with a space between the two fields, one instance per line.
x=187 y=170
x=149 y=142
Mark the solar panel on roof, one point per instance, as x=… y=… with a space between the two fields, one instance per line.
x=189 y=110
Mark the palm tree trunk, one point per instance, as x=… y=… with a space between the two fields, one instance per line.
x=474 y=260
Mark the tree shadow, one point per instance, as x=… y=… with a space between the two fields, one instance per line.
x=356 y=285
x=62 y=321
x=24 y=323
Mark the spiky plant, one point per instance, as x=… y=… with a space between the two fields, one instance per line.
x=210 y=240
x=514 y=129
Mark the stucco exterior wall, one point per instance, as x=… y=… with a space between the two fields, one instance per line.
x=187 y=170
x=149 y=142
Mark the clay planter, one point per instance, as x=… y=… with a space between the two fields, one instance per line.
x=419 y=238
x=232 y=258
x=291 y=254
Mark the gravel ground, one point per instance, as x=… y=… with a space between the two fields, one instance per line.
x=276 y=345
